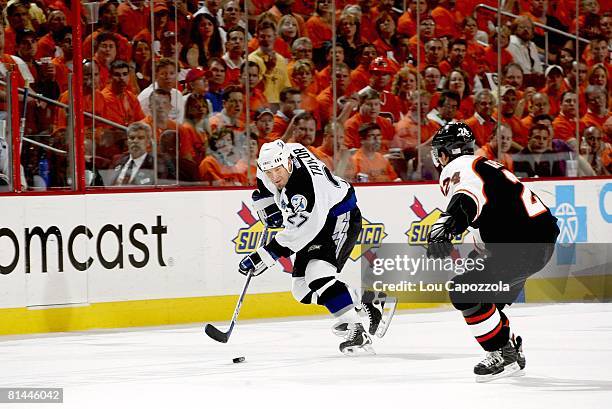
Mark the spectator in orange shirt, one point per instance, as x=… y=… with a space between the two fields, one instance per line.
x=288 y=32
x=18 y=18
x=499 y=144
x=415 y=128
x=469 y=28
x=539 y=105
x=508 y=115
x=229 y=117
x=369 y=111
x=598 y=76
x=565 y=124
x=105 y=52
x=283 y=8
x=434 y=54
x=290 y=101
x=56 y=22
x=63 y=64
x=457 y=51
x=380 y=81
x=597 y=113
x=91 y=80
x=133 y=17
x=446 y=109
x=121 y=105
x=160 y=106
x=320 y=29
x=343 y=90
x=221 y=167
x=304 y=132
x=387 y=40
x=555 y=87
x=256 y=98
x=482 y=122
x=108 y=23
x=407 y=22
x=404 y=84
x=368 y=164
x=431 y=79
x=489 y=58
x=264 y=121
x=457 y=81
x=324 y=77
x=597 y=152
x=234 y=57
x=446 y=18
x=302 y=78
x=193 y=136
x=360 y=76
x=417 y=42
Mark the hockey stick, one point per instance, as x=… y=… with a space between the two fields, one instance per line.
x=216 y=333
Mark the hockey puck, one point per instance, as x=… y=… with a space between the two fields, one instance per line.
x=238 y=360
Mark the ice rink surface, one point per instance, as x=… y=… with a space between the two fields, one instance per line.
x=424 y=361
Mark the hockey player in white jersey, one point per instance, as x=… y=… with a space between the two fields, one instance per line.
x=518 y=232
x=321 y=225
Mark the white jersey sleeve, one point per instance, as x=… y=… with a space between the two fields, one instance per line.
x=306 y=200
x=459 y=176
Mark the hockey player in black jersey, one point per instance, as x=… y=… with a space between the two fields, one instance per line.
x=518 y=232
x=321 y=225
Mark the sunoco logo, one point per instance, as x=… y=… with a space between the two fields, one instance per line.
x=248 y=238
x=419 y=230
x=54 y=240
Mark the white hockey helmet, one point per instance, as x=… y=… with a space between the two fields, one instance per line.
x=273 y=155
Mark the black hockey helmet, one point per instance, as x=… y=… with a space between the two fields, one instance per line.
x=454 y=139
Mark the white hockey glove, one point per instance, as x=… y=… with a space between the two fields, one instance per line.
x=439 y=241
x=257 y=262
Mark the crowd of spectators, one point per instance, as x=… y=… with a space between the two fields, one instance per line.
x=190 y=96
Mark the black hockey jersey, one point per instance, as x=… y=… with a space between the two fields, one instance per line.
x=506 y=211
x=311 y=194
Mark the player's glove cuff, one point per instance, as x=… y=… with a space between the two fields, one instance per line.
x=267 y=258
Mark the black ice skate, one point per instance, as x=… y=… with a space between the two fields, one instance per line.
x=380 y=310
x=357 y=341
x=520 y=356
x=498 y=364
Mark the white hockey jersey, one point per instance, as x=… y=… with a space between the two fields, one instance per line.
x=311 y=193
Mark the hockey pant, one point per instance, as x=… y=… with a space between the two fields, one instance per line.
x=318 y=263
x=482 y=311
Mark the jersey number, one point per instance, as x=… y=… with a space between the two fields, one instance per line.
x=297 y=223
x=533 y=204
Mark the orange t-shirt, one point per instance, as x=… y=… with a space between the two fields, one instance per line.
x=351 y=131
x=318 y=31
x=170 y=125
x=446 y=22
x=124 y=49
x=46 y=47
x=122 y=109
x=488 y=152
x=378 y=168
x=216 y=174
x=192 y=144
x=323 y=157
x=88 y=101
x=131 y=21
x=279 y=128
x=407 y=132
x=564 y=127
x=360 y=77
x=482 y=131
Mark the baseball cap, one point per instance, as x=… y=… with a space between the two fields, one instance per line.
x=196 y=73
x=262 y=111
x=504 y=89
x=552 y=68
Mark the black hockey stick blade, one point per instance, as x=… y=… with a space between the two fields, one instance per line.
x=215 y=334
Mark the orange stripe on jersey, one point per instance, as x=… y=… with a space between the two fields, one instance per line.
x=481 y=317
x=490 y=334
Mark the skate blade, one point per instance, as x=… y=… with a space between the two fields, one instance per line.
x=359 y=350
x=341 y=334
x=519 y=373
x=509 y=370
x=388 y=312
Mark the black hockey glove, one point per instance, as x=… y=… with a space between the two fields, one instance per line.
x=439 y=241
x=267 y=210
x=257 y=262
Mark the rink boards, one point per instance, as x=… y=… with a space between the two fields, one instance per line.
x=152 y=258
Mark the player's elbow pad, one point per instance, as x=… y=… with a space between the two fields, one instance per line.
x=267 y=210
x=463 y=210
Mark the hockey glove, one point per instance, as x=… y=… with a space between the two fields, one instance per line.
x=267 y=210
x=257 y=262
x=440 y=236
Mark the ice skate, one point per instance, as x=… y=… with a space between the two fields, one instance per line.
x=520 y=355
x=498 y=364
x=358 y=341
x=380 y=310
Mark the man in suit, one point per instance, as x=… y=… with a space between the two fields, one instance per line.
x=135 y=167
